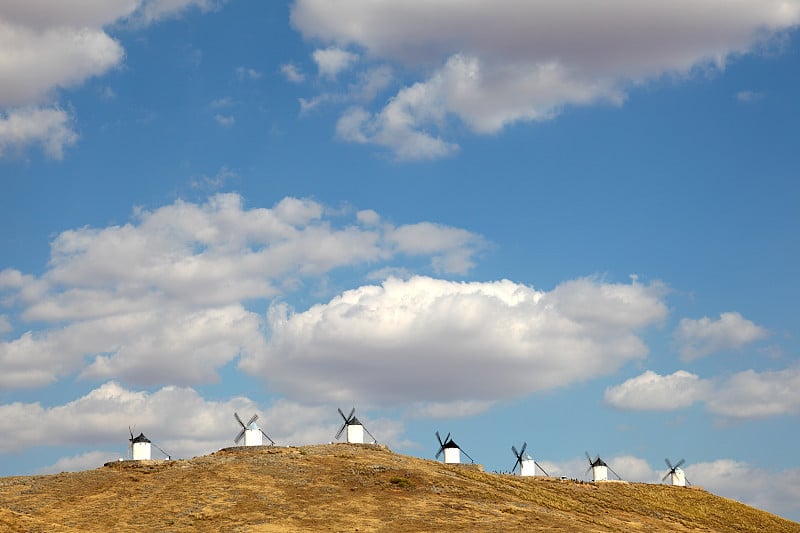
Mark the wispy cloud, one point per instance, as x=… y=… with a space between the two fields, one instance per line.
x=293 y=73
x=701 y=337
x=502 y=63
x=225 y=121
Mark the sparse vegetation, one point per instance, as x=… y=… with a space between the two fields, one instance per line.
x=343 y=487
x=400 y=482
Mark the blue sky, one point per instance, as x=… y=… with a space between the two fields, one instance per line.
x=552 y=223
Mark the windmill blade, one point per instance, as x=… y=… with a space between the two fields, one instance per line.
x=588 y=457
x=341 y=413
x=468 y=457
x=439 y=438
x=612 y=471
x=517 y=454
x=252 y=419
x=542 y=469
x=687 y=482
x=239 y=437
x=131 y=432
x=350 y=416
x=524 y=445
x=663 y=479
x=271 y=442
x=341 y=430
x=587 y=471
x=447 y=438
x=370 y=434
x=669 y=465
x=515 y=465
x=236 y=416
x=679 y=463
x=168 y=456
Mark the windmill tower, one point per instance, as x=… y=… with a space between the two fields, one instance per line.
x=527 y=465
x=676 y=474
x=140 y=447
x=599 y=469
x=355 y=429
x=452 y=451
x=251 y=432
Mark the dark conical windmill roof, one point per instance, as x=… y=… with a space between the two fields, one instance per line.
x=354 y=422
x=599 y=462
x=140 y=438
x=451 y=444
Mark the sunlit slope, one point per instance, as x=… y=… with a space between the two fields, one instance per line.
x=345 y=487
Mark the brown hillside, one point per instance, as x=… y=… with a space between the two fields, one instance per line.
x=345 y=487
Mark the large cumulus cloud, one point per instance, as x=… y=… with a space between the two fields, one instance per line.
x=163 y=298
x=427 y=339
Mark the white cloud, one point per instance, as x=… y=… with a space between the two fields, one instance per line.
x=704 y=336
x=216 y=182
x=83 y=461
x=154 y=10
x=293 y=73
x=752 y=394
x=177 y=419
x=33 y=61
x=248 y=73
x=449 y=410
x=226 y=121
x=368 y=217
x=331 y=61
x=367 y=86
x=47 y=45
x=399 y=125
x=749 y=96
x=440 y=341
x=107 y=93
x=222 y=103
x=494 y=64
x=650 y=391
x=49 y=127
x=747 y=394
x=162 y=299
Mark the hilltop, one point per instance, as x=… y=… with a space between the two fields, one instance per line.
x=345 y=487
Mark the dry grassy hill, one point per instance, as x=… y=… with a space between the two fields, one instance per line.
x=343 y=487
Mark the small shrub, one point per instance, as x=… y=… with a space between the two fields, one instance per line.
x=400 y=482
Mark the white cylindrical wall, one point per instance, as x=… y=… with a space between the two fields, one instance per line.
x=678 y=478
x=452 y=455
x=527 y=467
x=355 y=434
x=600 y=473
x=141 y=451
x=253 y=437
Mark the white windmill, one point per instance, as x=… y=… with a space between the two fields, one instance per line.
x=599 y=469
x=452 y=451
x=355 y=429
x=251 y=432
x=676 y=474
x=140 y=448
x=527 y=465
